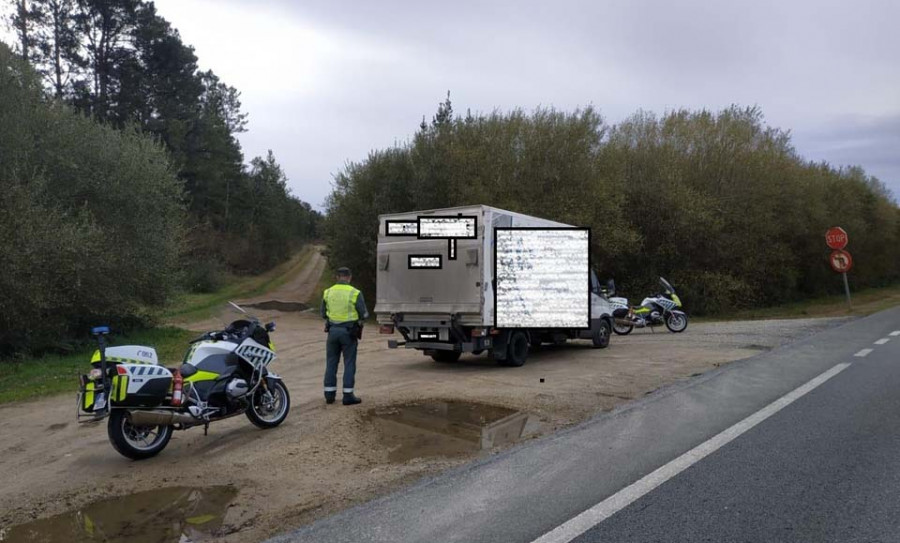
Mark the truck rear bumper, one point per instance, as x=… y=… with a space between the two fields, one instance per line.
x=477 y=345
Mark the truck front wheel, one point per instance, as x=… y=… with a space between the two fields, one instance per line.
x=600 y=334
x=446 y=356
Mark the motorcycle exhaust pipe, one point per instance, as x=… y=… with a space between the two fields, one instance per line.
x=627 y=322
x=160 y=417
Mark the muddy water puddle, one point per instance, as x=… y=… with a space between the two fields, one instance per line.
x=275 y=305
x=448 y=428
x=168 y=515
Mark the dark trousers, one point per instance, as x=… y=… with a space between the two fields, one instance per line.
x=340 y=340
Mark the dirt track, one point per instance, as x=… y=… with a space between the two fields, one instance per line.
x=325 y=458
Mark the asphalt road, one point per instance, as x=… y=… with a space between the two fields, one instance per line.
x=797 y=444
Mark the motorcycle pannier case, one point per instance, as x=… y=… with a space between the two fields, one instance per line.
x=139 y=380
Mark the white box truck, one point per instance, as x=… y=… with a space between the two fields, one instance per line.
x=477 y=278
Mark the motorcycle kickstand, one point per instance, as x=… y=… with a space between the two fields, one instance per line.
x=206 y=429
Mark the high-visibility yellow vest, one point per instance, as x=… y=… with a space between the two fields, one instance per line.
x=340 y=303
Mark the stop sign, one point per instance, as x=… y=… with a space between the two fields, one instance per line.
x=836 y=238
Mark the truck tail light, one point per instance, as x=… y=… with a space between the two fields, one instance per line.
x=386 y=329
x=495 y=332
x=477 y=332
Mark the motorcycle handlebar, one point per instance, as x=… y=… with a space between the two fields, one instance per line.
x=208 y=335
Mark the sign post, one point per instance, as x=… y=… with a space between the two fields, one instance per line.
x=840 y=260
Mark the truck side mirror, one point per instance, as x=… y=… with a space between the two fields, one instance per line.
x=611 y=288
x=595 y=284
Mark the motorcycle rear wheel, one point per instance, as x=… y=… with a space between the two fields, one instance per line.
x=622 y=329
x=136 y=442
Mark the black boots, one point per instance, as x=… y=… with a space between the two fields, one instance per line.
x=349 y=398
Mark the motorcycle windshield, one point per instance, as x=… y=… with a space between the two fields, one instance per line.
x=666 y=285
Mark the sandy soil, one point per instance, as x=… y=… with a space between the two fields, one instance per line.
x=326 y=458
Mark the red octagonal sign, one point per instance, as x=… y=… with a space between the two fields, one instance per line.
x=840 y=261
x=836 y=237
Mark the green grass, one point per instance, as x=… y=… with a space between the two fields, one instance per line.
x=865 y=302
x=190 y=307
x=55 y=374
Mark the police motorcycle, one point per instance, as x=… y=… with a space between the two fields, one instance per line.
x=663 y=308
x=224 y=374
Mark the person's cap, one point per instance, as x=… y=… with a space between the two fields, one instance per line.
x=343 y=271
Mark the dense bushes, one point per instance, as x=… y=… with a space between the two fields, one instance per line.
x=92 y=218
x=121 y=63
x=121 y=173
x=719 y=203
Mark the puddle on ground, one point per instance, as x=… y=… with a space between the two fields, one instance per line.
x=275 y=305
x=167 y=515
x=451 y=428
x=755 y=347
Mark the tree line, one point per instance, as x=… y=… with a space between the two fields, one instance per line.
x=719 y=203
x=122 y=177
x=122 y=64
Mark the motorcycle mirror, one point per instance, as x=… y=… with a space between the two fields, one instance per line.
x=270 y=327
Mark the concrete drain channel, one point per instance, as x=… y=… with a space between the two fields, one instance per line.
x=431 y=429
x=174 y=514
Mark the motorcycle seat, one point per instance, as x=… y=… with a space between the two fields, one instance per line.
x=187 y=370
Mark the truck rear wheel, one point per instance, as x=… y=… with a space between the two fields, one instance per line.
x=517 y=350
x=446 y=356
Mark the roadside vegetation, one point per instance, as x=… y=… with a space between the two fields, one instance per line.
x=197 y=306
x=865 y=302
x=719 y=203
x=24 y=379
x=124 y=183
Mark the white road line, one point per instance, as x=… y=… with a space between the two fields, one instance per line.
x=863 y=353
x=882 y=341
x=595 y=515
x=895 y=333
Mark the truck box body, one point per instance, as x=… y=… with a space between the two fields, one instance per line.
x=435 y=283
x=461 y=286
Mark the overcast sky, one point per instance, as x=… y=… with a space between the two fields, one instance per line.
x=326 y=81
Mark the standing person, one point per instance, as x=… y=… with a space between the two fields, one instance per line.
x=344 y=311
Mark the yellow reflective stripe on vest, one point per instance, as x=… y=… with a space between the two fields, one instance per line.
x=340 y=303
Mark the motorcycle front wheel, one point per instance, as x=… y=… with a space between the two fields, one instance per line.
x=677 y=321
x=269 y=406
x=622 y=329
x=136 y=442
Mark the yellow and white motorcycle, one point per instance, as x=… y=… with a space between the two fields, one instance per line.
x=224 y=373
x=663 y=308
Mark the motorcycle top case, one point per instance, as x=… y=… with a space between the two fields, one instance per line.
x=139 y=380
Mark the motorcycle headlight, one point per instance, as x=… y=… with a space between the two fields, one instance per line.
x=94 y=374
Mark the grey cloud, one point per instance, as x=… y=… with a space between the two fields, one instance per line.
x=810 y=65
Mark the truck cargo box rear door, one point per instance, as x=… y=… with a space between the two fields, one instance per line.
x=416 y=276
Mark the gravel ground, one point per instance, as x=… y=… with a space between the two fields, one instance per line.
x=325 y=458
